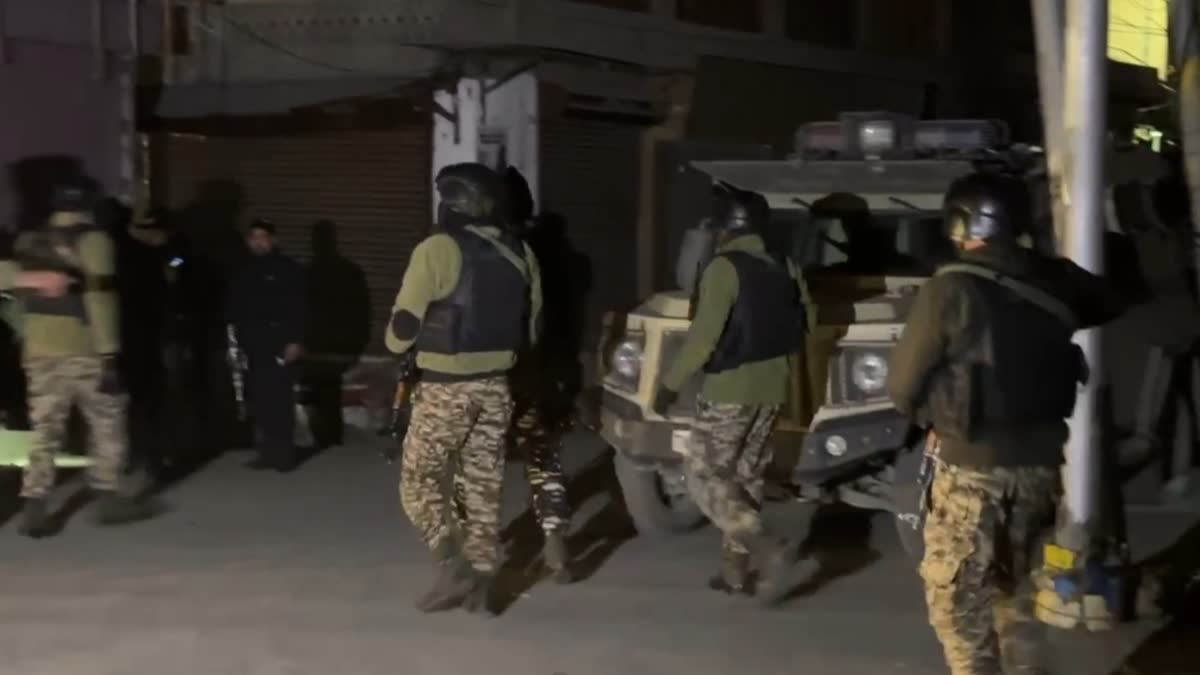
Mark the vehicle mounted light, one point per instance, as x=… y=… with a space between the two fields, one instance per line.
x=627 y=359
x=836 y=446
x=876 y=137
x=869 y=373
x=939 y=136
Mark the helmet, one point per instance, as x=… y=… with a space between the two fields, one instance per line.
x=468 y=192
x=986 y=207
x=71 y=196
x=738 y=211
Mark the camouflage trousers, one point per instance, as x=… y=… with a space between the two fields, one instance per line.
x=456 y=438
x=56 y=385
x=980 y=534
x=541 y=443
x=725 y=468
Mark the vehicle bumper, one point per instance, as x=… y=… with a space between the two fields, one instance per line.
x=865 y=435
x=624 y=426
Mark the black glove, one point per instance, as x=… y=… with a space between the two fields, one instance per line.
x=110 y=377
x=663 y=400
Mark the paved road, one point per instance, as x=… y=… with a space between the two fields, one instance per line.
x=315 y=573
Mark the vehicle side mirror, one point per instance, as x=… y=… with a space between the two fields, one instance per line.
x=694 y=253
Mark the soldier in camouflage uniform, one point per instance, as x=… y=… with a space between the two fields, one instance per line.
x=750 y=316
x=987 y=363
x=71 y=342
x=469 y=302
x=543 y=380
x=538 y=434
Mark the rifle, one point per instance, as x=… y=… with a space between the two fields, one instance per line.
x=397 y=426
x=237 y=367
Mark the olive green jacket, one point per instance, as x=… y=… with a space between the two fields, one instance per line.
x=758 y=383
x=98 y=332
x=432 y=275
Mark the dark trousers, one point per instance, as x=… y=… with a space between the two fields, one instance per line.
x=273 y=406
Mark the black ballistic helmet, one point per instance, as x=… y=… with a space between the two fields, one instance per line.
x=986 y=207
x=738 y=211
x=73 y=196
x=469 y=189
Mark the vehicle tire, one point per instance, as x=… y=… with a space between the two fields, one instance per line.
x=655 y=508
x=906 y=491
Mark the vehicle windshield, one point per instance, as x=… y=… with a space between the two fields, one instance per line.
x=911 y=243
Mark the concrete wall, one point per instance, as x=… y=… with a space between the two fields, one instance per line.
x=59 y=91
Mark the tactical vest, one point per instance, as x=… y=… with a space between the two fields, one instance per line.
x=1024 y=370
x=488 y=311
x=57 y=249
x=767 y=319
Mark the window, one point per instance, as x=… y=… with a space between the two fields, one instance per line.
x=741 y=15
x=630 y=5
x=862 y=244
x=829 y=24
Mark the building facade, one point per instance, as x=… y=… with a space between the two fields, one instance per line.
x=303 y=110
x=66 y=94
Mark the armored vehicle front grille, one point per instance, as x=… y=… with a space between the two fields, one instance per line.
x=672 y=344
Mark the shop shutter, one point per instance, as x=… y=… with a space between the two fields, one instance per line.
x=374 y=185
x=590 y=177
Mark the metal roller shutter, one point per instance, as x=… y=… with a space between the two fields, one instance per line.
x=590 y=176
x=374 y=185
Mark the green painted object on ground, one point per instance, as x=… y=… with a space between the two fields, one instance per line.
x=14 y=451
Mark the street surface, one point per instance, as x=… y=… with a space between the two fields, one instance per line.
x=316 y=573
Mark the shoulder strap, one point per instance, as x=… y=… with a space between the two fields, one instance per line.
x=506 y=250
x=1025 y=291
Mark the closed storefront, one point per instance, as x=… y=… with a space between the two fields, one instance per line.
x=360 y=198
x=589 y=178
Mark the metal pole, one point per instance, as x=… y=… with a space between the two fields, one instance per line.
x=1084 y=127
x=128 y=86
x=1185 y=57
x=1049 y=25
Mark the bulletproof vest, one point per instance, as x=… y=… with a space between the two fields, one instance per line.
x=488 y=311
x=767 y=319
x=57 y=249
x=1024 y=369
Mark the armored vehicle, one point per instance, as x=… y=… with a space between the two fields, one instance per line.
x=859 y=207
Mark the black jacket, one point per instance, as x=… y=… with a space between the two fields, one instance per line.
x=949 y=327
x=266 y=303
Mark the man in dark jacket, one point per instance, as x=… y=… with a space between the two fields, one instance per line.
x=266 y=308
x=987 y=364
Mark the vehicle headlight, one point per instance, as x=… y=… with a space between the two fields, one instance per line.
x=877 y=136
x=869 y=373
x=627 y=359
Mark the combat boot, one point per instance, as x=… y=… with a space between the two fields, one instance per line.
x=734 y=576
x=479 y=599
x=774 y=559
x=35 y=519
x=454 y=579
x=114 y=508
x=554 y=552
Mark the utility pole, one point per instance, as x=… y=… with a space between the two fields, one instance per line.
x=1049 y=27
x=1072 y=74
x=1184 y=32
x=128 y=146
x=1084 y=129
